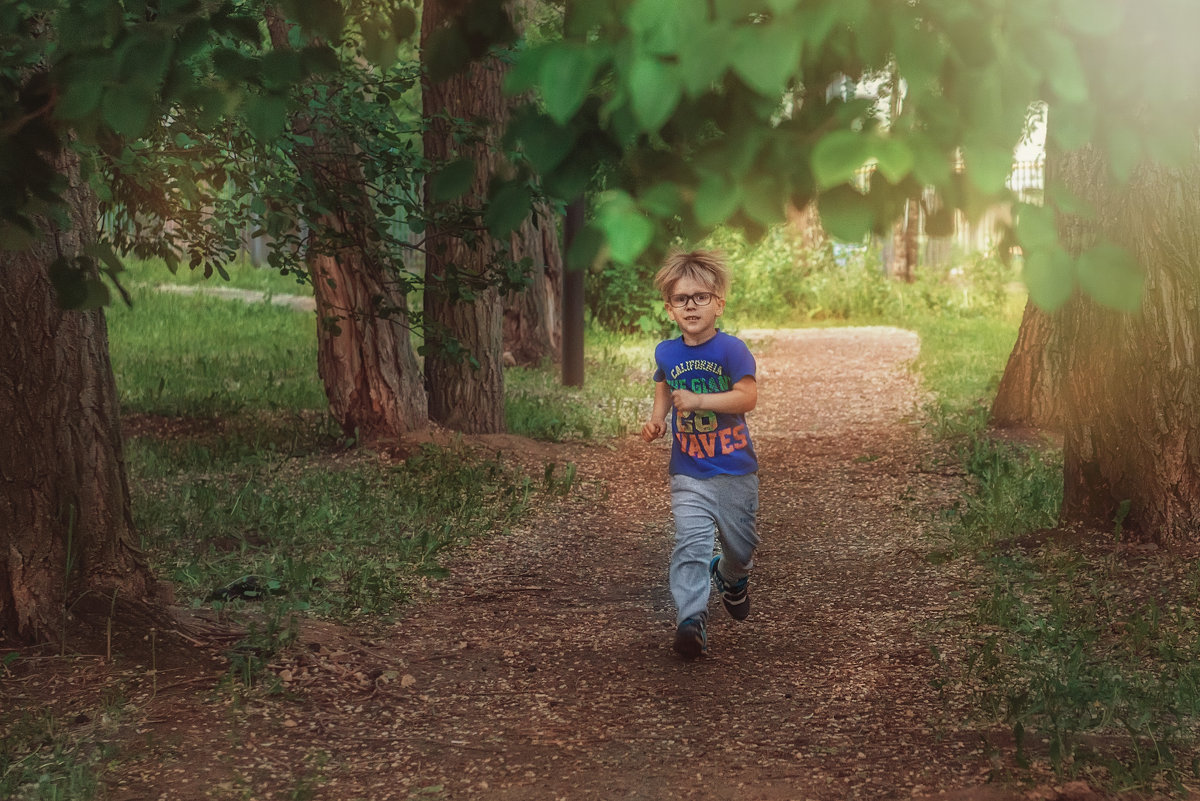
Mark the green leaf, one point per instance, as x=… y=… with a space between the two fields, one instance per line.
x=526 y=68
x=895 y=159
x=1036 y=227
x=567 y=71
x=782 y=6
x=322 y=17
x=1111 y=276
x=626 y=228
x=404 y=23
x=585 y=249
x=544 y=142
x=1049 y=274
x=715 y=201
x=379 y=47
x=655 y=91
x=1071 y=125
x=1124 y=148
x=703 y=58
x=452 y=181
x=661 y=25
x=447 y=53
x=988 y=166
x=16 y=236
x=282 y=68
x=1064 y=69
x=765 y=55
x=1098 y=18
x=147 y=59
x=845 y=213
x=837 y=157
x=80 y=98
x=663 y=200
x=126 y=108
x=508 y=207
x=266 y=116
x=764 y=199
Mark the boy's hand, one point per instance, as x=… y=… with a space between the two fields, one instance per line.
x=685 y=401
x=653 y=430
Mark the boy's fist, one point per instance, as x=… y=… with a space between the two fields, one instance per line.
x=685 y=401
x=653 y=430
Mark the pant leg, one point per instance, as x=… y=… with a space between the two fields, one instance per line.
x=736 y=512
x=695 y=526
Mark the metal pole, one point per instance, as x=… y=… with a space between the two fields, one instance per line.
x=573 y=299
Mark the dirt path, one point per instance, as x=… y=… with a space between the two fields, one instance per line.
x=542 y=668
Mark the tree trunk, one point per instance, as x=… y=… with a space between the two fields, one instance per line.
x=364 y=352
x=1029 y=395
x=1132 y=382
x=533 y=324
x=804 y=226
x=905 y=244
x=463 y=312
x=533 y=317
x=66 y=532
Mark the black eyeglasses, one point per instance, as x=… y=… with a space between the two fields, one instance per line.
x=700 y=299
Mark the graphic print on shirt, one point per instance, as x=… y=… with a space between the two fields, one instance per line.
x=697 y=433
x=707 y=443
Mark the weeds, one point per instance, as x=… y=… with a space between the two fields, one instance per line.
x=44 y=759
x=1091 y=660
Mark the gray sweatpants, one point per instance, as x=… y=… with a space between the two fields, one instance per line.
x=724 y=505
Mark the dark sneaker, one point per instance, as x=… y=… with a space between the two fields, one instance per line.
x=690 y=639
x=735 y=595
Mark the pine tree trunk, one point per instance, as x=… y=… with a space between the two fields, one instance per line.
x=364 y=352
x=66 y=532
x=533 y=317
x=1132 y=381
x=1029 y=395
x=463 y=334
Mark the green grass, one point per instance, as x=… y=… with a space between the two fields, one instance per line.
x=613 y=402
x=343 y=535
x=1090 y=659
x=242 y=275
x=202 y=356
x=43 y=758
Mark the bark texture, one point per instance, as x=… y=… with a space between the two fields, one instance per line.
x=533 y=317
x=1030 y=394
x=364 y=352
x=66 y=532
x=463 y=329
x=1132 y=381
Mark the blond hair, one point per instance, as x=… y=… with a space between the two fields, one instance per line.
x=707 y=267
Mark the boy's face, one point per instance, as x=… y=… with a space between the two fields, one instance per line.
x=697 y=323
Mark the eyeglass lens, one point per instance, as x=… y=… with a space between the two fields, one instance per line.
x=700 y=299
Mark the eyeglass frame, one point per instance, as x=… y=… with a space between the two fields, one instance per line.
x=692 y=298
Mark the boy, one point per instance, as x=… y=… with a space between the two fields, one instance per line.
x=708 y=377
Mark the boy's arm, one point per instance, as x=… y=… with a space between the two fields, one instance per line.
x=657 y=426
x=740 y=399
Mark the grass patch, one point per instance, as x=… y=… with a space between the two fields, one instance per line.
x=614 y=401
x=242 y=275
x=43 y=758
x=201 y=356
x=1086 y=651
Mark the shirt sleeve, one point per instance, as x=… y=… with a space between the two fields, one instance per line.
x=659 y=374
x=739 y=361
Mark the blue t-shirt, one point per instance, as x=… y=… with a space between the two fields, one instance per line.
x=707 y=443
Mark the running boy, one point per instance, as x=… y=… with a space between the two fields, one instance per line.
x=707 y=376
